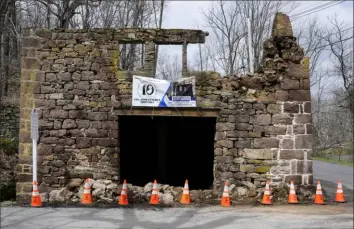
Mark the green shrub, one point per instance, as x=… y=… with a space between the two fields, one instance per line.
x=9 y=145
x=7 y=191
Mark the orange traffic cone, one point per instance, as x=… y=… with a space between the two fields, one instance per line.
x=186 y=199
x=123 y=199
x=319 y=196
x=266 y=196
x=154 y=199
x=340 y=194
x=36 y=199
x=225 y=200
x=292 y=199
x=86 y=196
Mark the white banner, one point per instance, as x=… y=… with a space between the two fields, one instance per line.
x=151 y=92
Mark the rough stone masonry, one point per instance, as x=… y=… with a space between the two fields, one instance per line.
x=263 y=128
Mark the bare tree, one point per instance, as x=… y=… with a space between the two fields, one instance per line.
x=222 y=18
x=4 y=5
x=203 y=59
x=341 y=48
x=310 y=36
x=158 y=16
x=8 y=46
x=261 y=14
x=332 y=102
x=169 y=67
x=65 y=10
x=228 y=23
x=18 y=14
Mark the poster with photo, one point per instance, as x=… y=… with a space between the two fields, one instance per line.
x=151 y=92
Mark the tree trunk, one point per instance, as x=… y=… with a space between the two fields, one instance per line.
x=64 y=16
x=139 y=9
x=160 y=25
x=15 y=60
x=4 y=4
x=48 y=17
x=200 y=57
x=1 y=64
x=87 y=12
x=6 y=57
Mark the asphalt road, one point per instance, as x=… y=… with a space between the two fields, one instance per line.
x=286 y=216
x=333 y=172
x=337 y=216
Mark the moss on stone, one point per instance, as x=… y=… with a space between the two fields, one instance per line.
x=252 y=161
x=93 y=104
x=254 y=134
x=262 y=169
x=282 y=26
x=9 y=145
x=32 y=75
x=101 y=104
x=261 y=93
x=247 y=168
x=25 y=148
x=121 y=74
x=79 y=48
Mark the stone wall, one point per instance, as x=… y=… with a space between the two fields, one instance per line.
x=72 y=77
x=9 y=129
x=9 y=120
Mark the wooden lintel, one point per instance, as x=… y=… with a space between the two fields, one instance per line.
x=169 y=112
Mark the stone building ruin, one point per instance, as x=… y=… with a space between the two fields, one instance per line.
x=245 y=129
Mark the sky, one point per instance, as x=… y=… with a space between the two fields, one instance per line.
x=188 y=15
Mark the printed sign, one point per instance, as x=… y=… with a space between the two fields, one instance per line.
x=34 y=124
x=150 y=92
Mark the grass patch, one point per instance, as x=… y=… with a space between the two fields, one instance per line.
x=333 y=161
x=343 y=149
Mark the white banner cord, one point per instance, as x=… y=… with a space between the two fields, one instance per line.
x=200 y=114
x=178 y=111
x=131 y=107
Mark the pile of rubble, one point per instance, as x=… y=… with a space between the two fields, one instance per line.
x=104 y=191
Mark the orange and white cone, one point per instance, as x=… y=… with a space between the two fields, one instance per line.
x=340 y=193
x=86 y=196
x=36 y=198
x=123 y=199
x=319 y=195
x=292 y=199
x=225 y=200
x=186 y=199
x=266 y=200
x=154 y=199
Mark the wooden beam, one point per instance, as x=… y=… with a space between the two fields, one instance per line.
x=184 y=112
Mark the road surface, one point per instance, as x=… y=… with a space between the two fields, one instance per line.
x=215 y=217
x=337 y=216
x=333 y=172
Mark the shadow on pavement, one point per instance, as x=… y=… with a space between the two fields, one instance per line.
x=330 y=189
x=131 y=220
x=18 y=222
x=5 y=216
